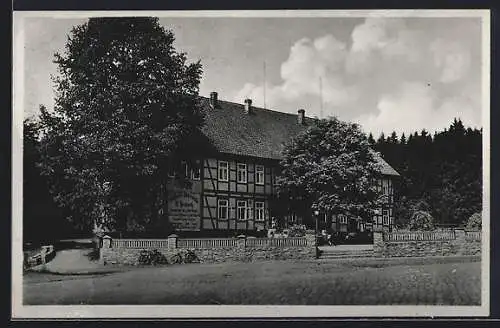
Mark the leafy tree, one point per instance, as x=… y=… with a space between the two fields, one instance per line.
x=126 y=107
x=421 y=220
x=40 y=213
x=474 y=222
x=330 y=167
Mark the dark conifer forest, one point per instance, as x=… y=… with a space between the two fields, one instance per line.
x=440 y=173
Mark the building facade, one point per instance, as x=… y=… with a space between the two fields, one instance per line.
x=232 y=186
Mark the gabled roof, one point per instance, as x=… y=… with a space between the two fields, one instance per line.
x=262 y=133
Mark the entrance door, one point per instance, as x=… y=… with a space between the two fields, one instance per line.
x=352 y=225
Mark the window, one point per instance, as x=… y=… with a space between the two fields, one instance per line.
x=223 y=209
x=259 y=211
x=223 y=171
x=242 y=173
x=171 y=172
x=342 y=219
x=196 y=171
x=259 y=174
x=385 y=189
x=241 y=210
x=385 y=217
x=185 y=168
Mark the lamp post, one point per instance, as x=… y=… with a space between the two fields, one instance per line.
x=316 y=215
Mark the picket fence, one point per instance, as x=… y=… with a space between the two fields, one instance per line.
x=209 y=243
x=473 y=235
x=420 y=236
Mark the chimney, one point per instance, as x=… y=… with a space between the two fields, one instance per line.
x=301 y=116
x=248 y=106
x=213 y=99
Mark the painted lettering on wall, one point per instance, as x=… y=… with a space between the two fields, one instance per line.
x=184 y=210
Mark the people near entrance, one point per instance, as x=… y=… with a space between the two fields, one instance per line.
x=327 y=237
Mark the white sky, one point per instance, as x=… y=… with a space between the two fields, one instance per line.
x=401 y=74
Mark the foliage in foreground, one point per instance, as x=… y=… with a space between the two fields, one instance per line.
x=126 y=110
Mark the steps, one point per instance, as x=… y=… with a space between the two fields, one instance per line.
x=340 y=252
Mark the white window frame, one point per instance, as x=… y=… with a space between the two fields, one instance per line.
x=260 y=211
x=259 y=173
x=196 y=169
x=385 y=217
x=185 y=168
x=241 y=208
x=224 y=169
x=171 y=173
x=220 y=206
x=241 y=167
x=342 y=219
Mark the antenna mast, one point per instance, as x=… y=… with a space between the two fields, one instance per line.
x=320 y=98
x=265 y=85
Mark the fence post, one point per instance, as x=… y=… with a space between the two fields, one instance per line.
x=106 y=245
x=106 y=241
x=459 y=234
x=378 y=242
x=242 y=241
x=43 y=253
x=172 y=241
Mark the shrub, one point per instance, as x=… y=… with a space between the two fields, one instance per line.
x=187 y=256
x=297 y=231
x=474 y=222
x=152 y=257
x=421 y=220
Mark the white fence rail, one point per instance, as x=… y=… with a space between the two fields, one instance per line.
x=420 y=236
x=473 y=235
x=139 y=243
x=276 y=242
x=207 y=243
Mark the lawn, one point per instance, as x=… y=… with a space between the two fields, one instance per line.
x=357 y=282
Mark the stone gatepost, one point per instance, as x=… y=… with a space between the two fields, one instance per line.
x=172 y=241
x=311 y=243
x=106 y=245
x=241 y=248
x=242 y=241
x=460 y=234
x=378 y=243
x=459 y=243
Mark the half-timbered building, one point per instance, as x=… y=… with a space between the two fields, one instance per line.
x=233 y=185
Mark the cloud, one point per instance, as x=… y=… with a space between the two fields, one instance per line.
x=393 y=74
x=308 y=62
x=452 y=59
x=415 y=106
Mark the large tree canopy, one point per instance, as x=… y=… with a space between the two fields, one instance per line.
x=126 y=107
x=331 y=167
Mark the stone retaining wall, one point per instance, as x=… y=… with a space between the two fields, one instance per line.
x=459 y=245
x=241 y=253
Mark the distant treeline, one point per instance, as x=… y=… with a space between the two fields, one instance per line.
x=440 y=173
